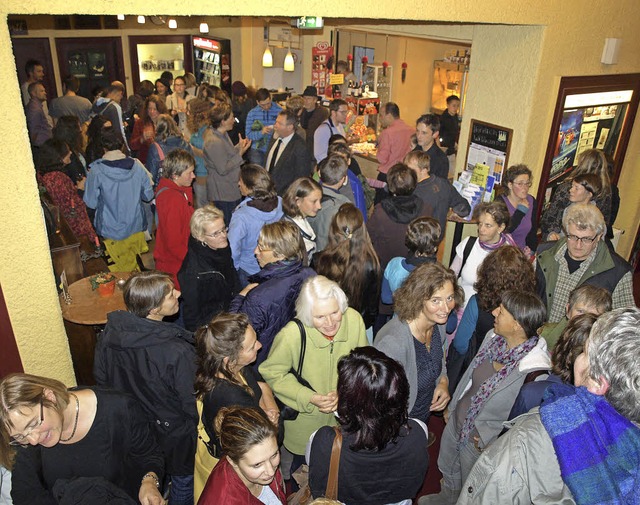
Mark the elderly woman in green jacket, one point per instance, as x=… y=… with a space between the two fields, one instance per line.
x=332 y=330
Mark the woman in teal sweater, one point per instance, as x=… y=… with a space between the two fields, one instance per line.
x=332 y=331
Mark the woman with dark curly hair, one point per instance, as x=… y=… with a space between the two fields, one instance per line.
x=415 y=338
x=225 y=347
x=384 y=453
x=505 y=268
x=351 y=261
x=144 y=129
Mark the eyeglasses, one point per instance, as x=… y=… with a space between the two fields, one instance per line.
x=22 y=438
x=218 y=233
x=522 y=184
x=583 y=240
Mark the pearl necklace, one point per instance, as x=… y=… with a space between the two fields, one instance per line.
x=75 y=423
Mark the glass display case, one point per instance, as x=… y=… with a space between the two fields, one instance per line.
x=153 y=59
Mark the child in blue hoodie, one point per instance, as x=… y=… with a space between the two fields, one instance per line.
x=116 y=187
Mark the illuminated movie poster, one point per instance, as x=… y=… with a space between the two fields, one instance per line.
x=567 y=142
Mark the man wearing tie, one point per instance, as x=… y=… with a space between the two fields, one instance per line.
x=287 y=156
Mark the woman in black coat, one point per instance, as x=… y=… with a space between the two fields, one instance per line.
x=154 y=361
x=207 y=277
x=270 y=299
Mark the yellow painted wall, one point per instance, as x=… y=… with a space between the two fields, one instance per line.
x=562 y=38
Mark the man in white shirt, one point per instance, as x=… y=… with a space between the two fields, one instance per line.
x=287 y=156
x=338 y=110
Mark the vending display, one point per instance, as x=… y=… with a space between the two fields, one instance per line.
x=321 y=64
x=212 y=61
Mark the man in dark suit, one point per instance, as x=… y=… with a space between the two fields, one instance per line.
x=287 y=156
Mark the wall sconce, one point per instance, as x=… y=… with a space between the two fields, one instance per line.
x=204 y=28
x=173 y=24
x=120 y=17
x=267 y=58
x=141 y=20
x=610 y=51
x=289 y=64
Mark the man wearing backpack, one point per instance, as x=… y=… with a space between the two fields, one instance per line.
x=108 y=105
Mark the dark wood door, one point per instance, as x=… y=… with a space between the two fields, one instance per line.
x=36 y=49
x=96 y=61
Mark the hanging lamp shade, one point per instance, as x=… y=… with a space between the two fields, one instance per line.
x=267 y=58
x=289 y=64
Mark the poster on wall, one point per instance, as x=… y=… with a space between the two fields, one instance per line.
x=97 y=64
x=321 y=63
x=489 y=145
x=567 y=142
x=77 y=64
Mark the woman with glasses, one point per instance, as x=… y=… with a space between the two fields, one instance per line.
x=49 y=435
x=591 y=161
x=177 y=104
x=523 y=208
x=208 y=279
x=269 y=301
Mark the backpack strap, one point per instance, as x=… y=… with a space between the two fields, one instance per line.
x=467 y=251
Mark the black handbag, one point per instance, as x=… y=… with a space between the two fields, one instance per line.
x=289 y=413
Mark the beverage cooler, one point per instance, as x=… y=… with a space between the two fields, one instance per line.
x=212 y=61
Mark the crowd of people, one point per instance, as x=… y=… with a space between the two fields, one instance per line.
x=298 y=316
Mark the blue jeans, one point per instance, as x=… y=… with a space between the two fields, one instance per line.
x=181 y=490
x=244 y=278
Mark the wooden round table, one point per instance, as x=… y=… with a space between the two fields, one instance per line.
x=87 y=306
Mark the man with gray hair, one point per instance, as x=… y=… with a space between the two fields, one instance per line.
x=581 y=257
x=583 y=444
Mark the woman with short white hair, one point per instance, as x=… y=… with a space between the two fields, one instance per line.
x=331 y=330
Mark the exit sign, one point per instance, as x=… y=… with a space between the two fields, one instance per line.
x=308 y=22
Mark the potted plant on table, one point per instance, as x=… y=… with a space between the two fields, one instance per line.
x=104 y=282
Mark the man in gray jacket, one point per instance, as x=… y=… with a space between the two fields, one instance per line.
x=581 y=446
x=333 y=175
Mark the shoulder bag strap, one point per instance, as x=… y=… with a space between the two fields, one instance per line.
x=332 y=481
x=303 y=345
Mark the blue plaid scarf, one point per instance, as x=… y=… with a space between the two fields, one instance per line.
x=598 y=449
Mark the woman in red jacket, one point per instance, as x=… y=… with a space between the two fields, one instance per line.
x=174 y=207
x=248 y=474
